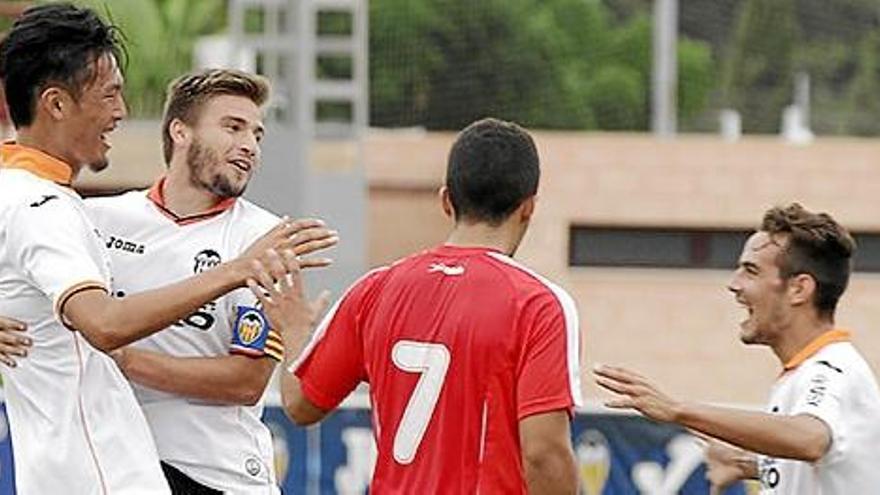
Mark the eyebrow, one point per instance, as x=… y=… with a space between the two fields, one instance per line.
x=749 y=264
x=260 y=129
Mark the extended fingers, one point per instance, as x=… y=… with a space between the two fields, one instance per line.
x=321 y=302
x=7 y=360
x=275 y=265
x=309 y=240
x=11 y=324
x=308 y=246
x=259 y=293
x=304 y=223
x=12 y=342
x=618 y=374
x=620 y=403
x=261 y=275
x=315 y=262
x=613 y=385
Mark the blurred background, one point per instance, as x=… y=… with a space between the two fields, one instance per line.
x=666 y=128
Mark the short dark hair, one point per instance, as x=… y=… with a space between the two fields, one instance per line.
x=817 y=246
x=189 y=93
x=53 y=44
x=492 y=168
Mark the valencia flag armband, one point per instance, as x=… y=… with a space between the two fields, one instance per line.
x=252 y=335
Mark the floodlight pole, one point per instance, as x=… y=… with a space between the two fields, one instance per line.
x=665 y=69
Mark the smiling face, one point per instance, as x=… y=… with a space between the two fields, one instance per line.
x=758 y=287
x=94 y=115
x=224 y=145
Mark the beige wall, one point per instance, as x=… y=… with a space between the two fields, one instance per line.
x=679 y=326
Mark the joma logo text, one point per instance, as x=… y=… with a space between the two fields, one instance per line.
x=123 y=245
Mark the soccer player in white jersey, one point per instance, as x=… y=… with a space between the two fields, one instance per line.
x=76 y=426
x=821 y=433
x=201 y=382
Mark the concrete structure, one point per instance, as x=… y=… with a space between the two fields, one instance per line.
x=679 y=326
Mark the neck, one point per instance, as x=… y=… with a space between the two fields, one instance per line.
x=504 y=238
x=48 y=143
x=800 y=332
x=183 y=197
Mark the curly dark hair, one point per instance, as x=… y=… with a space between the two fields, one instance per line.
x=54 y=44
x=492 y=168
x=815 y=245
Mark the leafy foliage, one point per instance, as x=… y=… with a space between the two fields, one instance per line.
x=160 y=36
x=545 y=63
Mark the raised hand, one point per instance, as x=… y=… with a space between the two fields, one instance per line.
x=279 y=287
x=299 y=237
x=726 y=465
x=635 y=392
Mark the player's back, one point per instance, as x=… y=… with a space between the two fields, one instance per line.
x=459 y=344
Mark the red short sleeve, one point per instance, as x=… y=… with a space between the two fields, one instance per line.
x=548 y=367
x=333 y=363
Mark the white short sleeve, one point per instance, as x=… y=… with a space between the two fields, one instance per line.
x=57 y=248
x=821 y=394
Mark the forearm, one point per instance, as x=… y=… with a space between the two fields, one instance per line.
x=547 y=455
x=298 y=408
x=554 y=474
x=231 y=379
x=112 y=323
x=793 y=437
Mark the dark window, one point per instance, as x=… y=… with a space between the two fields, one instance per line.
x=680 y=247
x=867 y=252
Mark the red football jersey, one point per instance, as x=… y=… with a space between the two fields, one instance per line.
x=457 y=345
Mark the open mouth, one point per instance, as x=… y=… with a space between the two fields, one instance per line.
x=749 y=309
x=105 y=136
x=241 y=164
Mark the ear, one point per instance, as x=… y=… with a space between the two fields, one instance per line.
x=527 y=208
x=446 y=202
x=179 y=132
x=55 y=102
x=801 y=289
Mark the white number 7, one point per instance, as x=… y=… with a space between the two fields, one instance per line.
x=431 y=361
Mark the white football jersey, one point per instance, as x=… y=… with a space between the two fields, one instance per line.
x=836 y=385
x=226 y=447
x=76 y=426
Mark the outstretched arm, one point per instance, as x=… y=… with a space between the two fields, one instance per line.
x=283 y=300
x=109 y=323
x=227 y=379
x=802 y=437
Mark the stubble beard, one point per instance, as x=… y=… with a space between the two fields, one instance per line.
x=198 y=157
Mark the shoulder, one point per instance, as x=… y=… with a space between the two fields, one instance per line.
x=124 y=201
x=530 y=284
x=37 y=202
x=840 y=359
x=370 y=280
x=20 y=188
x=253 y=219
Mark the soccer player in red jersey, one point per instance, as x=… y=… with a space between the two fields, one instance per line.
x=471 y=358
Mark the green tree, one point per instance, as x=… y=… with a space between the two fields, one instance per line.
x=160 y=36
x=546 y=63
x=758 y=76
x=863 y=104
